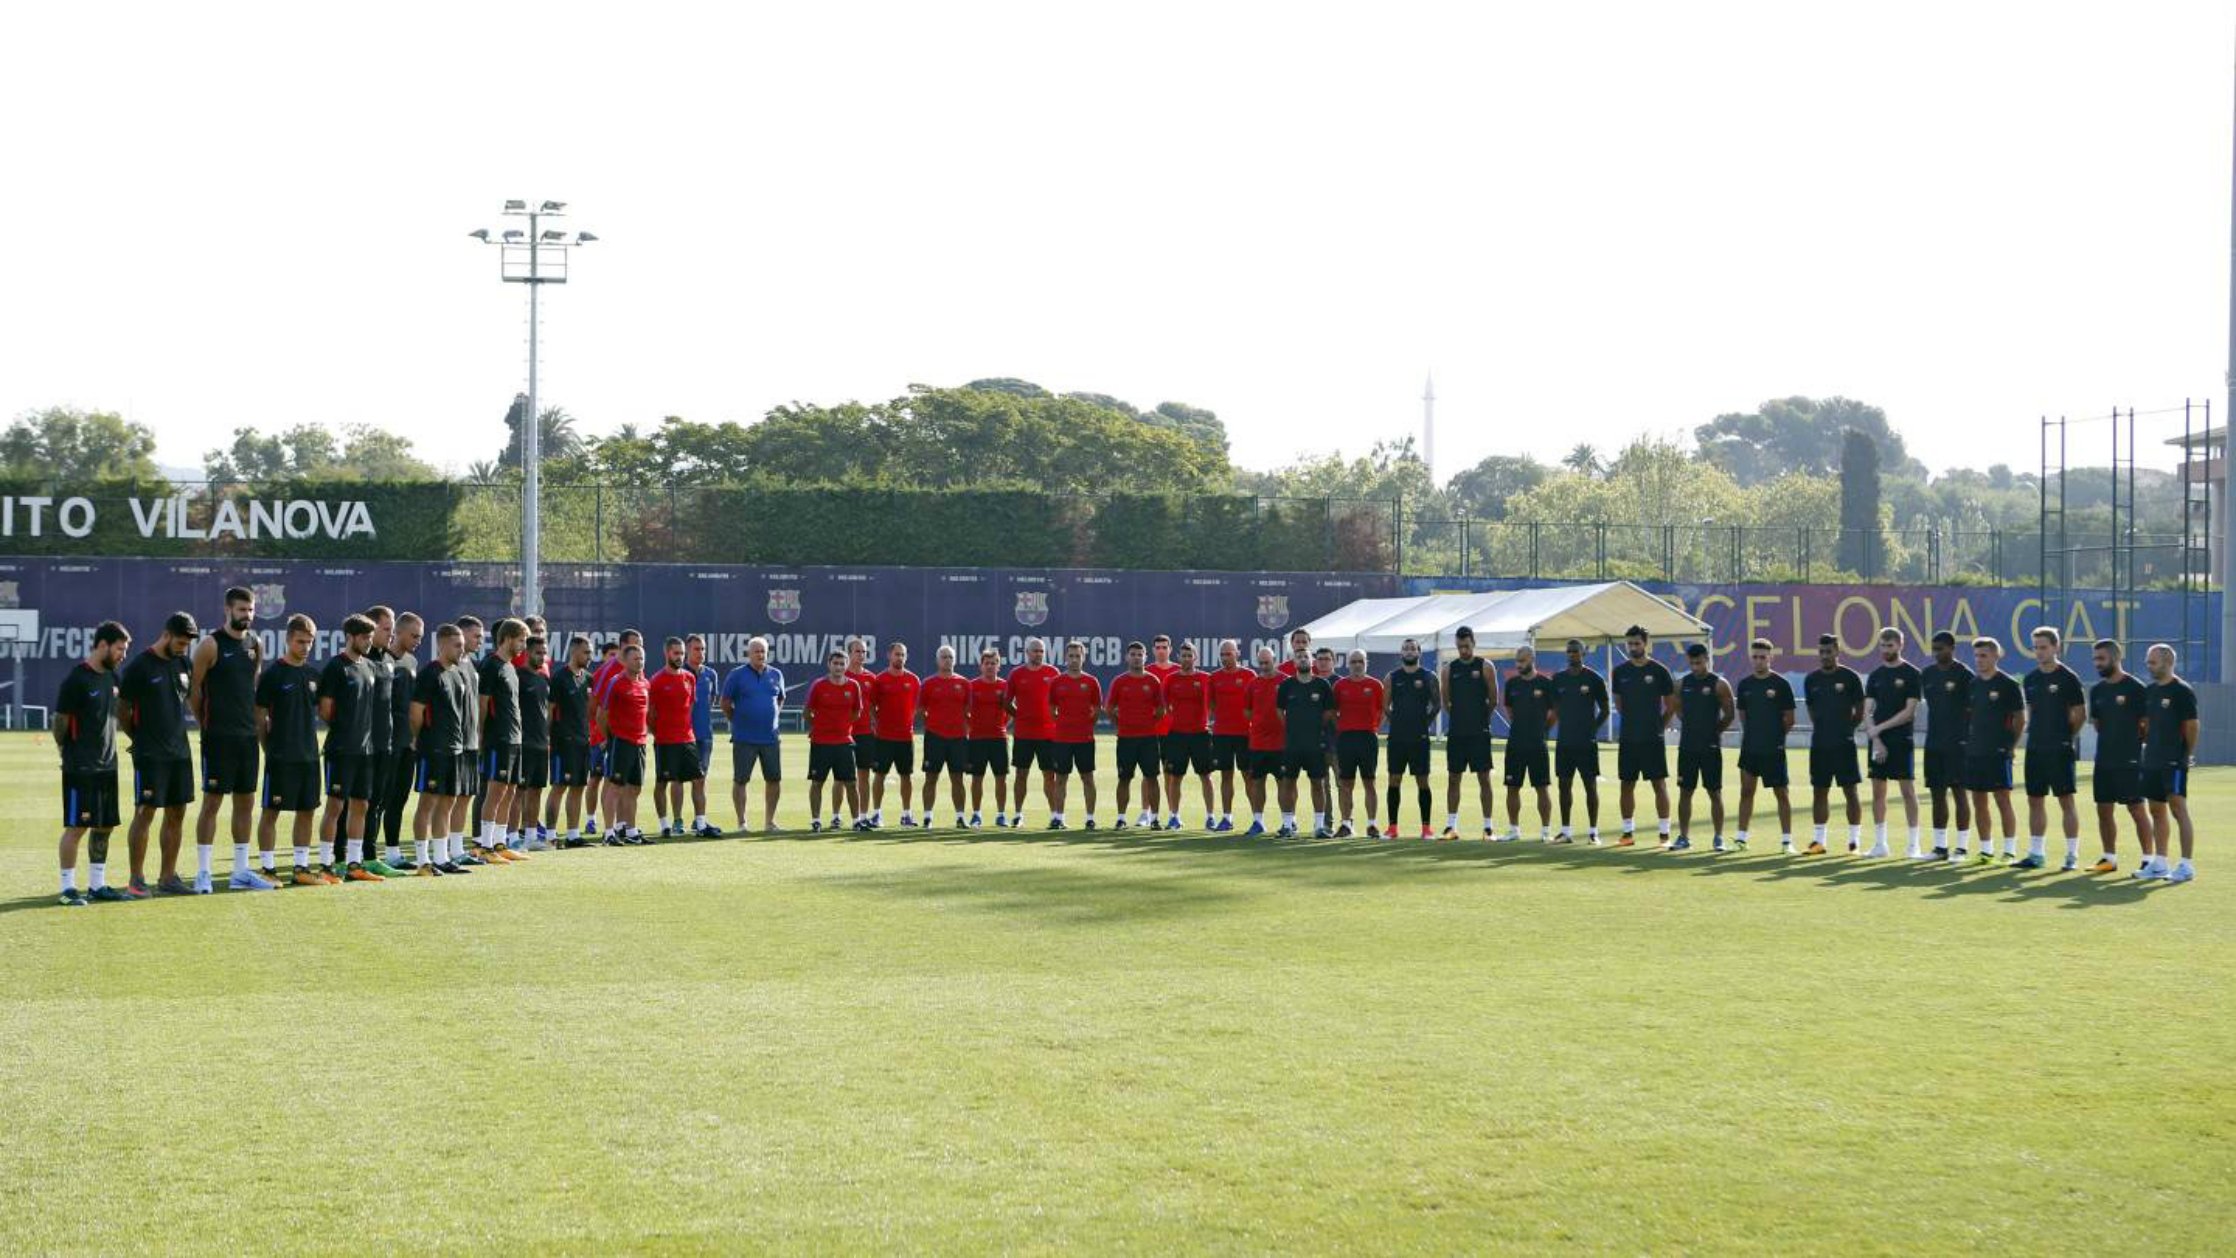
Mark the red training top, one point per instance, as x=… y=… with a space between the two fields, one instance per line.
x=627 y=702
x=1028 y=690
x=1268 y=732
x=863 y=730
x=894 y=696
x=946 y=701
x=1187 y=698
x=1230 y=701
x=672 y=691
x=830 y=711
x=1134 y=701
x=1072 y=702
x=604 y=672
x=1358 y=704
x=1163 y=673
x=988 y=718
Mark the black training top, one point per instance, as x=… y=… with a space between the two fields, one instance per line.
x=400 y=689
x=349 y=684
x=1578 y=695
x=2051 y=696
x=1762 y=702
x=535 y=707
x=156 y=689
x=1468 y=705
x=1305 y=703
x=289 y=694
x=1948 y=692
x=1700 y=713
x=2171 y=703
x=1639 y=691
x=1994 y=698
x=88 y=698
x=229 y=688
x=1835 y=699
x=1529 y=707
x=1889 y=687
x=384 y=681
x=500 y=684
x=1413 y=701
x=450 y=697
x=2119 y=709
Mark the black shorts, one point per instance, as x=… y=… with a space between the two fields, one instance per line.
x=624 y=762
x=1263 y=764
x=985 y=754
x=162 y=783
x=1141 y=753
x=1529 y=764
x=1027 y=752
x=889 y=754
x=1355 y=753
x=1071 y=757
x=826 y=759
x=1230 y=751
x=449 y=775
x=292 y=786
x=2162 y=782
x=1186 y=753
x=535 y=768
x=1944 y=768
x=570 y=765
x=1641 y=760
x=1833 y=766
x=499 y=762
x=228 y=764
x=1307 y=762
x=1700 y=766
x=349 y=777
x=1987 y=773
x=1406 y=753
x=2050 y=772
x=1900 y=764
x=944 y=755
x=675 y=762
x=89 y=800
x=2119 y=782
x=1467 y=753
x=1766 y=767
x=747 y=757
x=1576 y=760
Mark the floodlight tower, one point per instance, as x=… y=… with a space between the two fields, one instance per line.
x=535 y=257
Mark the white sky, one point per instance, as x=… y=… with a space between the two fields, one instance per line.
x=1590 y=221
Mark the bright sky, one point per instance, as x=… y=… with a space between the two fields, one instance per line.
x=1589 y=221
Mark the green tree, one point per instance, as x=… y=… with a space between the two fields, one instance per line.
x=1797 y=434
x=1483 y=490
x=61 y=443
x=557 y=435
x=311 y=453
x=1005 y=384
x=1582 y=459
x=1861 y=548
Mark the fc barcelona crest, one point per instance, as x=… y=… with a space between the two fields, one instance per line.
x=1273 y=610
x=1032 y=607
x=271 y=601
x=784 y=606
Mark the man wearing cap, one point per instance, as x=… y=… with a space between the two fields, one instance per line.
x=152 y=691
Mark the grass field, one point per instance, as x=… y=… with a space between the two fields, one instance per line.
x=941 y=1041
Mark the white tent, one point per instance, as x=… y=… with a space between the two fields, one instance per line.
x=1506 y=619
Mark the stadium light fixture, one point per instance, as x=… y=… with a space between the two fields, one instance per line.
x=534 y=257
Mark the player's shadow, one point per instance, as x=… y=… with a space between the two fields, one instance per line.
x=1939 y=880
x=31 y=902
x=1056 y=896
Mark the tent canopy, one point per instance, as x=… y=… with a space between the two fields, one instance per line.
x=1504 y=619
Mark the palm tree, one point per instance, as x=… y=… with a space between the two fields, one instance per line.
x=1584 y=459
x=483 y=472
x=555 y=428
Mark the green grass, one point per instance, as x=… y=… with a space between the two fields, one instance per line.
x=1036 y=1041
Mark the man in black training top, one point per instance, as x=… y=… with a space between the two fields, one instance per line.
x=2118 y=706
x=1947 y=686
x=1996 y=716
x=1834 y=695
x=1470 y=691
x=499 y=684
x=383 y=620
x=85 y=733
x=2056 y=710
x=1890 y=723
x=347 y=703
x=1766 y=707
x=1307 y=704
x=403 y=759
x=1646 y=696
x=1411 y=691
x=1580 y=707
x=1530 y=717
x=152 y=692
x=570 y=741
x=535 y=743
x=445 y=710
x=1704 y=711
x=287 y=722
x=2169 y=743
x=221 y=692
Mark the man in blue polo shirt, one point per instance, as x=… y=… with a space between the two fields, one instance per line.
x=705 y=683
x=751 y=696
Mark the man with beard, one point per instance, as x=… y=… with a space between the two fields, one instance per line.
x=1646 y=696
x=85 y=733
x=1705 y=708
x=1414 y=699
x=152 y=690
x=1531 y=717
x=1947 y=687
x=1890 y=701
x=2118 y=706
x=2168 y=747
x=1470 y=692
x=1580 y=707
x=221 y=691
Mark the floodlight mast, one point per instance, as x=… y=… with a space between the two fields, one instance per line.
x=535 y=258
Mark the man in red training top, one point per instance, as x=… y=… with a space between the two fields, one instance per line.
x=1033 y=731
x=675 y=743
x=1230 y=727
x=1137 y=708
x=833 y=703
x=1269 y=735
x=1074 y=700
x=989 y=748
x=1186 y=743
x=1358 y=718
x=625 y=712
x=893 y=695
x=946 y=700
x=1161 y=667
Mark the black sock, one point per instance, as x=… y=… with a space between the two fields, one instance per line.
x=1426 y=819
x=1393 y=795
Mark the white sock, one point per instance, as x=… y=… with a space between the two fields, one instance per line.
x=2184 y=865
x=1820 y=834
x=356 y=850
x=1741 y=836
x=202 y=854
x=269 y=860
x=1288 y=818
x=419 y=848
x=1940 y=837
x=1629 y=827
x=325 y=853
x=97 y=876
x=1963 y=839
x=1785 y=840
x=1855 y=836
x=457 y=846
x=1879 y=832
x=1594 y=833
x=69 y=880
x=2112 y=857
x=1665 y=827
x=302 y=856
x=699 y=822
x=1914 y=846
x=1452 y=820
x=240 y=856
x=394 y=854
x=1565 y=834
x=2072 y=849
x=1319 y=819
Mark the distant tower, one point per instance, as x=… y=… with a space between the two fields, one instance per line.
x=1428 y=426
